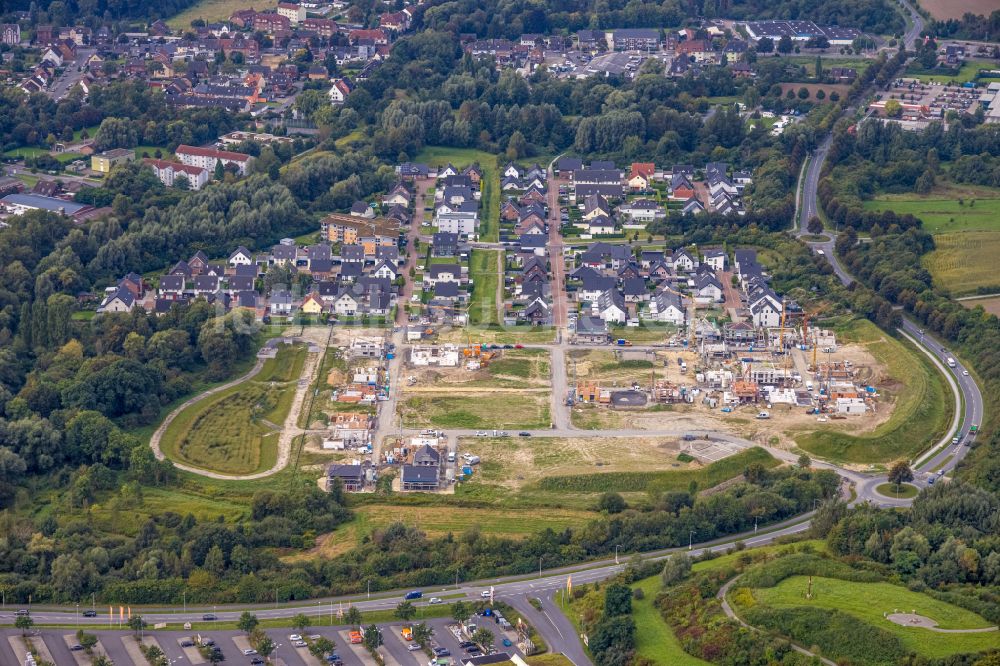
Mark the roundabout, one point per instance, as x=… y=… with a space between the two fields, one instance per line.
x=893 y=491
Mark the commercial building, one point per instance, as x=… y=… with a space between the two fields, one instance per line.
x=18 y=204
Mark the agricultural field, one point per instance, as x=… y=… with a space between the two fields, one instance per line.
x=236 y=430
x=913 y=393
x=489 y=203
x=484 y=271
x=215 y=10
x=990 y=305
x=948 y=208
x=948 y=9
x=965 y=262
x=869 y=601
x=510 y=409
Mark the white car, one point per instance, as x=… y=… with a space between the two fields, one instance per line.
x=295 y=637
x=482 y=433
x=965 y=373
x=249 y=651
x=412 y=647
x=434 y=600
x=315 y=637
x=485 y=594
x=299 y=643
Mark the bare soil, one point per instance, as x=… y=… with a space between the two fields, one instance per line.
x=949 y=9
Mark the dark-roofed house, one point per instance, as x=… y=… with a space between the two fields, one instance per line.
x=417 y=477
x=352 y=477
x=591 y=330
x=171 y=287
x=444 y=244
x=566 y=166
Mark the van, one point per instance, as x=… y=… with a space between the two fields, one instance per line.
x=951 y=362
x=472 y=460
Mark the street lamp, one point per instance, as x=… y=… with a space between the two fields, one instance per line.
x=540 y=565
x=78 y=615
x=690 y=539
x=616 y=553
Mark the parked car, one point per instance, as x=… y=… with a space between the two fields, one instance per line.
x=524 y=433
x=299 y=643
x=294 y=637
x=249 y=651
x=76 y=647
x=506 y=642
x=485 y=594
x=256 y=661
x=413 y=647
x=187 y=643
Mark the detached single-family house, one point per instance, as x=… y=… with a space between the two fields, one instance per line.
x=610 y=306
x=666 y=307
x=715 y=257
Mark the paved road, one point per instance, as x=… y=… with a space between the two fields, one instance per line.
x=70 y=76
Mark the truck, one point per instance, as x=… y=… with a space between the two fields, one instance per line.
x=622 y=342
x=950 y=362
x=355 y=637
x=407 y=633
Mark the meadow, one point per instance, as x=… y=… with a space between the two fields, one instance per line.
x=233 y=431
x=964 y=262
x=655 y=641
x=948 y=208
x=484 y=271
x=215 y=10
x=486 y=409
x=869 y=601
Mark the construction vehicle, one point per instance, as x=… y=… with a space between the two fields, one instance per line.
x=407 y=633
x=356 y=637
x=622 y=342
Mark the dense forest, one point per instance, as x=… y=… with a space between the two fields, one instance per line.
x=96 y=12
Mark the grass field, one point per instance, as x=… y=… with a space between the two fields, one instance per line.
x=489 y=202
x=438 y=521
x=868 y=602
x=506 y=335
x=227 y=432
x=903 y=491
x=484 y=267
x=963 y=262
x=514 y=368
x=948 y=9
x=487 y=409
x=968 y=72
x=548 y=660
x=654 y=639
x=921 y=411
x=940 y=209
x=215 y=10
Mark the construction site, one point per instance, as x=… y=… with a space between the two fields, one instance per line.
x=769 y=373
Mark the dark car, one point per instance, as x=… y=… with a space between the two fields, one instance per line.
x=208 y=641
x=524 y=433
x=187 y=643
x=76 y=647
x=208 y=617
x=442 y=652
x=416 y=594
x=256 y=660
x=90 y=613
x=474 y=650
x=466 y=644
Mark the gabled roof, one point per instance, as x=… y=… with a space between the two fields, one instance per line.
x=172 y=283
x=634 y=286
x=611 y=298
x=440 y=269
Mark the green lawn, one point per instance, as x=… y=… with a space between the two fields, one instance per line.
x=484 y=270
x=868 y=602
x=921 y=413
x=902 y=491
x=968 y=72
x=227 y=432
x=654 y=639
x=489 y=203
x=728 y=559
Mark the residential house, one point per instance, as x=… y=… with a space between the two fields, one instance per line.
x=715 y=257
x=610 y=306
x=642 y=210
x=280 y=303
x=104 y=162
x=681 y=187
x=207 y=158
x=708 y=288
x=640 y=176
x=169 y=172
x=444 y=244
x=419 y=478
x=118 y=300
x=668 y=308
x=350 y=477
x=595 y=205
x=684 y=261
x=692 y=207
x=398 y=196
x=171 y=287
x=635 y=39
x=339 y=91
x=591 y=330
x=443 y=273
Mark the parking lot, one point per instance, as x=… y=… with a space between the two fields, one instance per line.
x=232 y=643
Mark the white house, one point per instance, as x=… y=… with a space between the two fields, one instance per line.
x=683 y=261
x=643 y=210
x=206 y=158
x=168 y=173
x=339 y=91
x=667 y=308
x=715 y=257
x=708 y=288
x=610 y=307
x=384 y=270
x=766 y=312
x=119 y=300
x=346 y=304
x=241 y=257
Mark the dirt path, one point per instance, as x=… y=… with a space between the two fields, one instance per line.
x=289 y=432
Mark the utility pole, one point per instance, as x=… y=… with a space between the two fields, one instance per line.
x=690 y=539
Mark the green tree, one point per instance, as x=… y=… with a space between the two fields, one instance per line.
x=301 y=621
x=373 y=638
x=900 y=473
x=422 y=634
x=353 y=616
x=675 y=569
x=460 y=611
x=804 y=460
x=321 y=647
x=405 y=611
x=247 y=622
x=611 y=503
x=785 y=44
x=765 y=45
x=617 y=599
x=893 y=108
x=24 y=623
x=803 y=93
x=136 y=624
x=814 y=226
x=484 y=638
x=265 y=647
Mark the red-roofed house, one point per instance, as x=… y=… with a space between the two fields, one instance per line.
x=377 y=36
x=396 y=21
x=206 y=158
x=340 y=90
x=640 y=176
